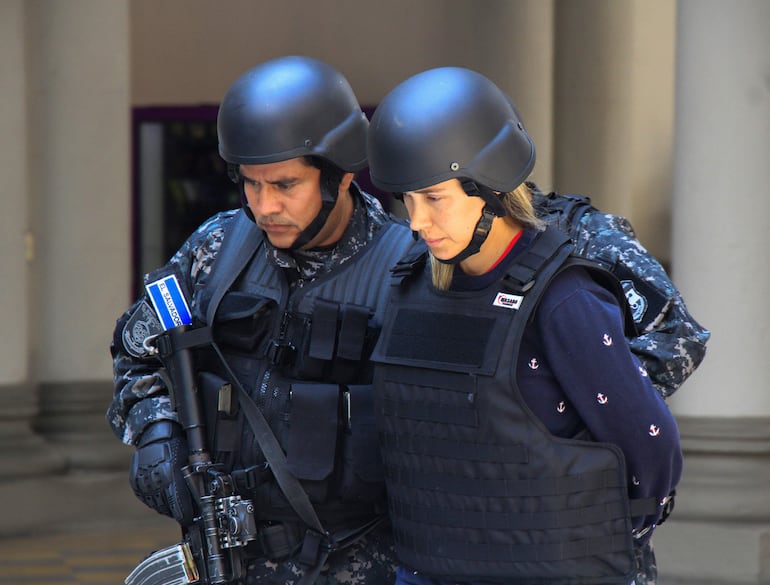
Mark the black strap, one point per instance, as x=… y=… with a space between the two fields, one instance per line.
x=274 y=455
x=353 y=332
x=323 y=330
x=520 y=276
x=241 y=241
x=411 y=263
x=290 y=485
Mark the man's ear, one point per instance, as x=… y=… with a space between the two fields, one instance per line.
x=345 y=182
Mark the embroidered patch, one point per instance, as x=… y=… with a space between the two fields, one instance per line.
x=142 y=324
x=508 y=301
x=169 y=302
x=636 y=300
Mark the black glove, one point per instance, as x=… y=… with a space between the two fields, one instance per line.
x=156 y=471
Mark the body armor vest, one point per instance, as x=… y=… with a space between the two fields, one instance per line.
x=302 y=356
x=478 y=489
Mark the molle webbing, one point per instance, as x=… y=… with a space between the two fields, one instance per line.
x=302 y=355
x=478 y=489
x=526 y=555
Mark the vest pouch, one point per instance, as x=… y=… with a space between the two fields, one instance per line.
x=292 y=354
x=220 y=411
x=362 y=466
x=243 y=322
x=312 y=436
x=332 y=344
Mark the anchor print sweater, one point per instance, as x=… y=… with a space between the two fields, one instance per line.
x=577 y=374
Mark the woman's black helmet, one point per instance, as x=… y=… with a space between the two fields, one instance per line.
x=448 y=123
x=290 y=107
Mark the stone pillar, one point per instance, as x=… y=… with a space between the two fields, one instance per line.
x=22 y=452
x=720 y=530
x=80 y=192
x=614 y=110
x=514 y=40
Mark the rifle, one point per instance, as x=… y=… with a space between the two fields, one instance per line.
x=212 y=548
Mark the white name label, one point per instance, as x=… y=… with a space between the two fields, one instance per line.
x=508 y=301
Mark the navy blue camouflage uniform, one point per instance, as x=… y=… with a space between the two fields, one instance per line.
x=141 y=394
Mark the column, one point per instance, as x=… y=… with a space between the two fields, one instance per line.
x=512 y=42
x=614 y=110
x=720 y=530
x=22 y=452
x=80 y=147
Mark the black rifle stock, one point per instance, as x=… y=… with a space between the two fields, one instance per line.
x=211 y=551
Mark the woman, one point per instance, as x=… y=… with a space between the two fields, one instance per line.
x=523 y=442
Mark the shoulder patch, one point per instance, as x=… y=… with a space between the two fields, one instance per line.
x=636 y=301
x=143 y=323
x=169 y=301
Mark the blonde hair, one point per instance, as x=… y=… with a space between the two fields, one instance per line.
x=518 y=204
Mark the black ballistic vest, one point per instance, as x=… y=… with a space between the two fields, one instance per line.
x=303 y=358
x=478 y=489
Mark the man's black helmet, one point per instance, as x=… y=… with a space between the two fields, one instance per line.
x=448 y=123
x=291 y=107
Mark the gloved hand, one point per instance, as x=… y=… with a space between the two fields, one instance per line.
x=156 y=471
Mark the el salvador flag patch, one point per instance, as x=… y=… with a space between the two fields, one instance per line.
x=169 y=302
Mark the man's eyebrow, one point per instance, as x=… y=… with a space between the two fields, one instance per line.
x=283 y=180
x=427 y=191
x=278 y=181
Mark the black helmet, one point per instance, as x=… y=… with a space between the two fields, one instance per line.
x=448 y=123
x=291 y=107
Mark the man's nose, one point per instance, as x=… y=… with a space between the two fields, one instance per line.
x=265 y=203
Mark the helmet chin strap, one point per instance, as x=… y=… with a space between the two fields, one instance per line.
x=331 y=177
x=493 y=208
x=480 y=234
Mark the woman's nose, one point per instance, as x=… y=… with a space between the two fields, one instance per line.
x=418 y=218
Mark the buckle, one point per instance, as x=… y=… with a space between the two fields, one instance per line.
x=249 y=479
x=313 y=543
x=281 y=353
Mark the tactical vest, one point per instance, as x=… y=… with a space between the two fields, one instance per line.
x=478 y=489
x=303 y=358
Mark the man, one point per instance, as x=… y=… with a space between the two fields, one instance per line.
x=292 y=287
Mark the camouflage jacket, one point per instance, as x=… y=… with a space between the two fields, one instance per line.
x=669 y=341
x=141 y=394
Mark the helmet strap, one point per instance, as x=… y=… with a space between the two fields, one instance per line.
x=331 y=177
x=491 y=198
x=493 y=208
x=234 y=174
x=480 y=233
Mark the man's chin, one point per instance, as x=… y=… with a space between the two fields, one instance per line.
x=282 y=241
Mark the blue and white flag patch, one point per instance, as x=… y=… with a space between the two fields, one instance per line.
x=169 y=302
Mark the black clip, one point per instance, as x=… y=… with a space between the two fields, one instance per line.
x=313 y=543
x=281 y=353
